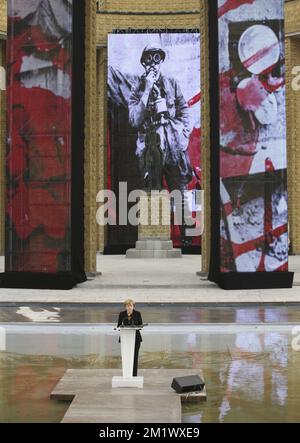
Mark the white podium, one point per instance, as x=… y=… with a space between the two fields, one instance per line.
x=128 y=334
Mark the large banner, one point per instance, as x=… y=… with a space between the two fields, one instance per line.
x=253 y=161
x=154 y=118
x=39 y=150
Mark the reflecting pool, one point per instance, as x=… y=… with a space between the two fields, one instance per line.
x=250 y=368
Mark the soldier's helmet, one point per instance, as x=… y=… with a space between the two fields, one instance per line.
x=152 y=53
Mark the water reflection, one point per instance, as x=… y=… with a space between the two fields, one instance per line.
x=162 y=313
x=251 y=373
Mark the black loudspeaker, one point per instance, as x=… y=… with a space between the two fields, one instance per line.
x=190 y=383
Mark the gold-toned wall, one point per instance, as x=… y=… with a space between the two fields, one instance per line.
x=292 y=26
x=158 y=226
x=3 y=16
x=292 y=16
x=149 y=6
x=293 y=137
x=101 y=138
x=107 y=22
x=91 y=147
x=205 y=135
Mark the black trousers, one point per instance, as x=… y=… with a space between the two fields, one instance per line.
x=136 y=358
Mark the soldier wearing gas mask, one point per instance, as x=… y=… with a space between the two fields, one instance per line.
x=159 y=111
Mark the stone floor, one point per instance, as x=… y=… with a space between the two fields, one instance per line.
x=152 y=281
x=94 y=400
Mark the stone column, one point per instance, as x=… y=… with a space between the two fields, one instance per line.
x=90 y=139
x=154 y=231
x=293 y=136
x=205 y=136
x=155 y=217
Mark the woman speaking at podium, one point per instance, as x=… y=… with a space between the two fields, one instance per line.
x=128 y=318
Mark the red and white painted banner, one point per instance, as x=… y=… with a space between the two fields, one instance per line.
x=253 y=161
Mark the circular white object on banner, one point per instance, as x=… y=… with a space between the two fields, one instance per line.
x=259 y=49
x=253 y=97
x=267 y=112
x=251 y=93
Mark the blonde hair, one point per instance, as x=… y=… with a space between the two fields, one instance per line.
x=129 y=301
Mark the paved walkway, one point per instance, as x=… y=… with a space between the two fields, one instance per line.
x=153 y=281
x=94 y=400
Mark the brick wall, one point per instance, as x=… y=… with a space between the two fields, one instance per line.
x=101 y=130
x=155 y=211
x=91 y=147
x=292 y=25
x=292 y=16
x=154 y=5
x=3 y=15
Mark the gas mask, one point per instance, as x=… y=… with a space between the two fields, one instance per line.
x=150 y=58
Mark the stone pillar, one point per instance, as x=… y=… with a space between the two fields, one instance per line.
x=90 y=139
x=293 y=136
x=155 y=217
x=101 y=124
x=154 y=231
x=205 y=136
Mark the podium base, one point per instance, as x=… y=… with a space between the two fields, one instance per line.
x=134 y=382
